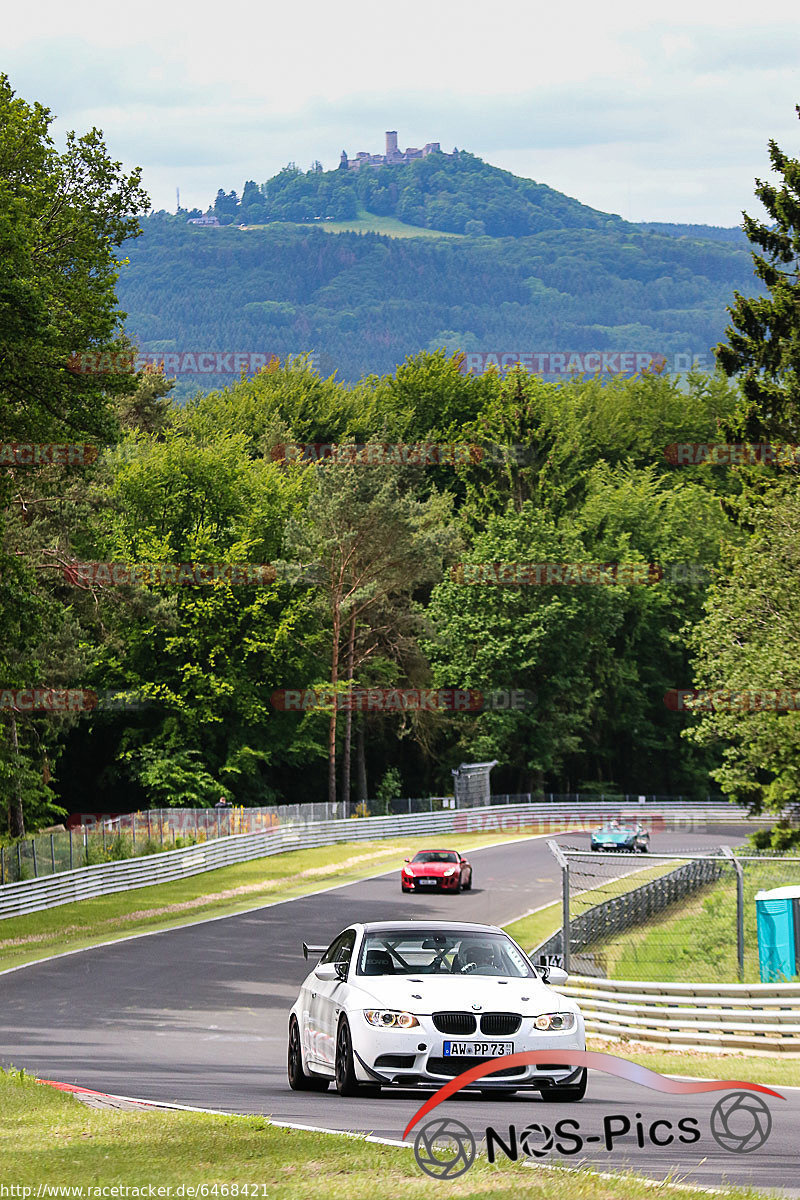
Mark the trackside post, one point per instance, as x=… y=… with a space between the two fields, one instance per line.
x=556 y=851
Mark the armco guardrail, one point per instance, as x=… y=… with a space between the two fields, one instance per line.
x=683 y=1016
x=32 y=895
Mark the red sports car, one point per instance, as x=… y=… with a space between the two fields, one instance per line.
x=436 y=870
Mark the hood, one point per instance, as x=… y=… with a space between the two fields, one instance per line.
x=614 y=835
x=433 y=868
x=426 y=994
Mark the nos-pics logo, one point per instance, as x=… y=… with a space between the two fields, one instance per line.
x=445 y=1148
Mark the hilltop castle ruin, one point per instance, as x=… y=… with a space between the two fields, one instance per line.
x=393 y=156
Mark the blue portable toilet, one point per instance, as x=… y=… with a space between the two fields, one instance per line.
x=778 y=926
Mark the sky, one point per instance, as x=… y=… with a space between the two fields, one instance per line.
x=655 y=117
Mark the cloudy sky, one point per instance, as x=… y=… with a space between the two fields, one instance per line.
x=662 y=118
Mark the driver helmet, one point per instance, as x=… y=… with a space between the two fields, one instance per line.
x=479 y=953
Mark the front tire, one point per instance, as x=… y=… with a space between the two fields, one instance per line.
x=468 y=884
x=299 y=1081
x=346 y=1082
x=569 y=1094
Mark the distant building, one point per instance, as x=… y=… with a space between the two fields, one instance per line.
x=393 y=156
x=206 y=220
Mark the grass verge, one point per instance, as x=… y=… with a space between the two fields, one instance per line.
x=49 y=1138
x=696 y=938
x=532 y=929
x=772 y=1070
x=212 y=894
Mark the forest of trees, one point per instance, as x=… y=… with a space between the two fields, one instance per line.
x=364 y=302
x=369 y=585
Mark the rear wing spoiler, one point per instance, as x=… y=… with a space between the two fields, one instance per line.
x=313 y=950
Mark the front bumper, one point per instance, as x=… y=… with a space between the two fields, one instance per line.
x=413 y=1058
x=442 y=884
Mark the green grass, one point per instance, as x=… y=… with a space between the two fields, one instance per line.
x=50 y=1138
x=696 y=938
x=210 y=894
x=771 y=1069
x=367 y=222
x=531 y=930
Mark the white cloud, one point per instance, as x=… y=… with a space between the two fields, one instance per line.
x=654 y=119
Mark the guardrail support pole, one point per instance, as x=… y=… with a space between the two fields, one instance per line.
x=70 y=849
x=53 y=853
x=557 y=853
x=33 y=853
x=726 y=850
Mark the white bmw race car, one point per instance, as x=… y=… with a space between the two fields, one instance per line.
x=404 y=1003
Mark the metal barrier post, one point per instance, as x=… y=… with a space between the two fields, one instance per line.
x=726 y=850
x=53 y=853
x=556 y=851
x=2 y=864
x=33 y=852
x=70 y=848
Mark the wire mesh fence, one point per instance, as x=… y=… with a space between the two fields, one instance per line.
x=666 y=918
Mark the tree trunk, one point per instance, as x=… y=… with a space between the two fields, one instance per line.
x=361 y=761
x=348 y=721
x=16 y=818
x=337 y=619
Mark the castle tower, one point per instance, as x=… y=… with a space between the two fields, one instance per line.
x=391 y=143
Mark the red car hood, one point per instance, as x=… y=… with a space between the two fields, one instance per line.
x=435 y=868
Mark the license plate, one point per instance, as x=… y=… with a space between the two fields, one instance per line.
x=427 y=882
x=477 y=1049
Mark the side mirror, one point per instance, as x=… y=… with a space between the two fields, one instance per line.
x=406 y=860
x=327 y=972
x=556 y=976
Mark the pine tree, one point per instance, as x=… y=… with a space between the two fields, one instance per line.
x=763 y=346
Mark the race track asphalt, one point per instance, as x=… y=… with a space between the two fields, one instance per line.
x=198 y=1016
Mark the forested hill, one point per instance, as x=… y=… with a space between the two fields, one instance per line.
x=453 y=195
x=363 y=302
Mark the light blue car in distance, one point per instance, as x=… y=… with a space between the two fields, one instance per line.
x=615 y=836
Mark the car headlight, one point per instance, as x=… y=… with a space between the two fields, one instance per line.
x=450 y=871
x=406 y=871
x=389 y=1019
x=560 y=1021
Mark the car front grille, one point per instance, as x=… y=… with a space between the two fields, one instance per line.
x=455 y=1064
x=458 y=1023
x=500 y=1024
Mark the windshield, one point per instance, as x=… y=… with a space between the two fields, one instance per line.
x=435 y=856
x=436 y=952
